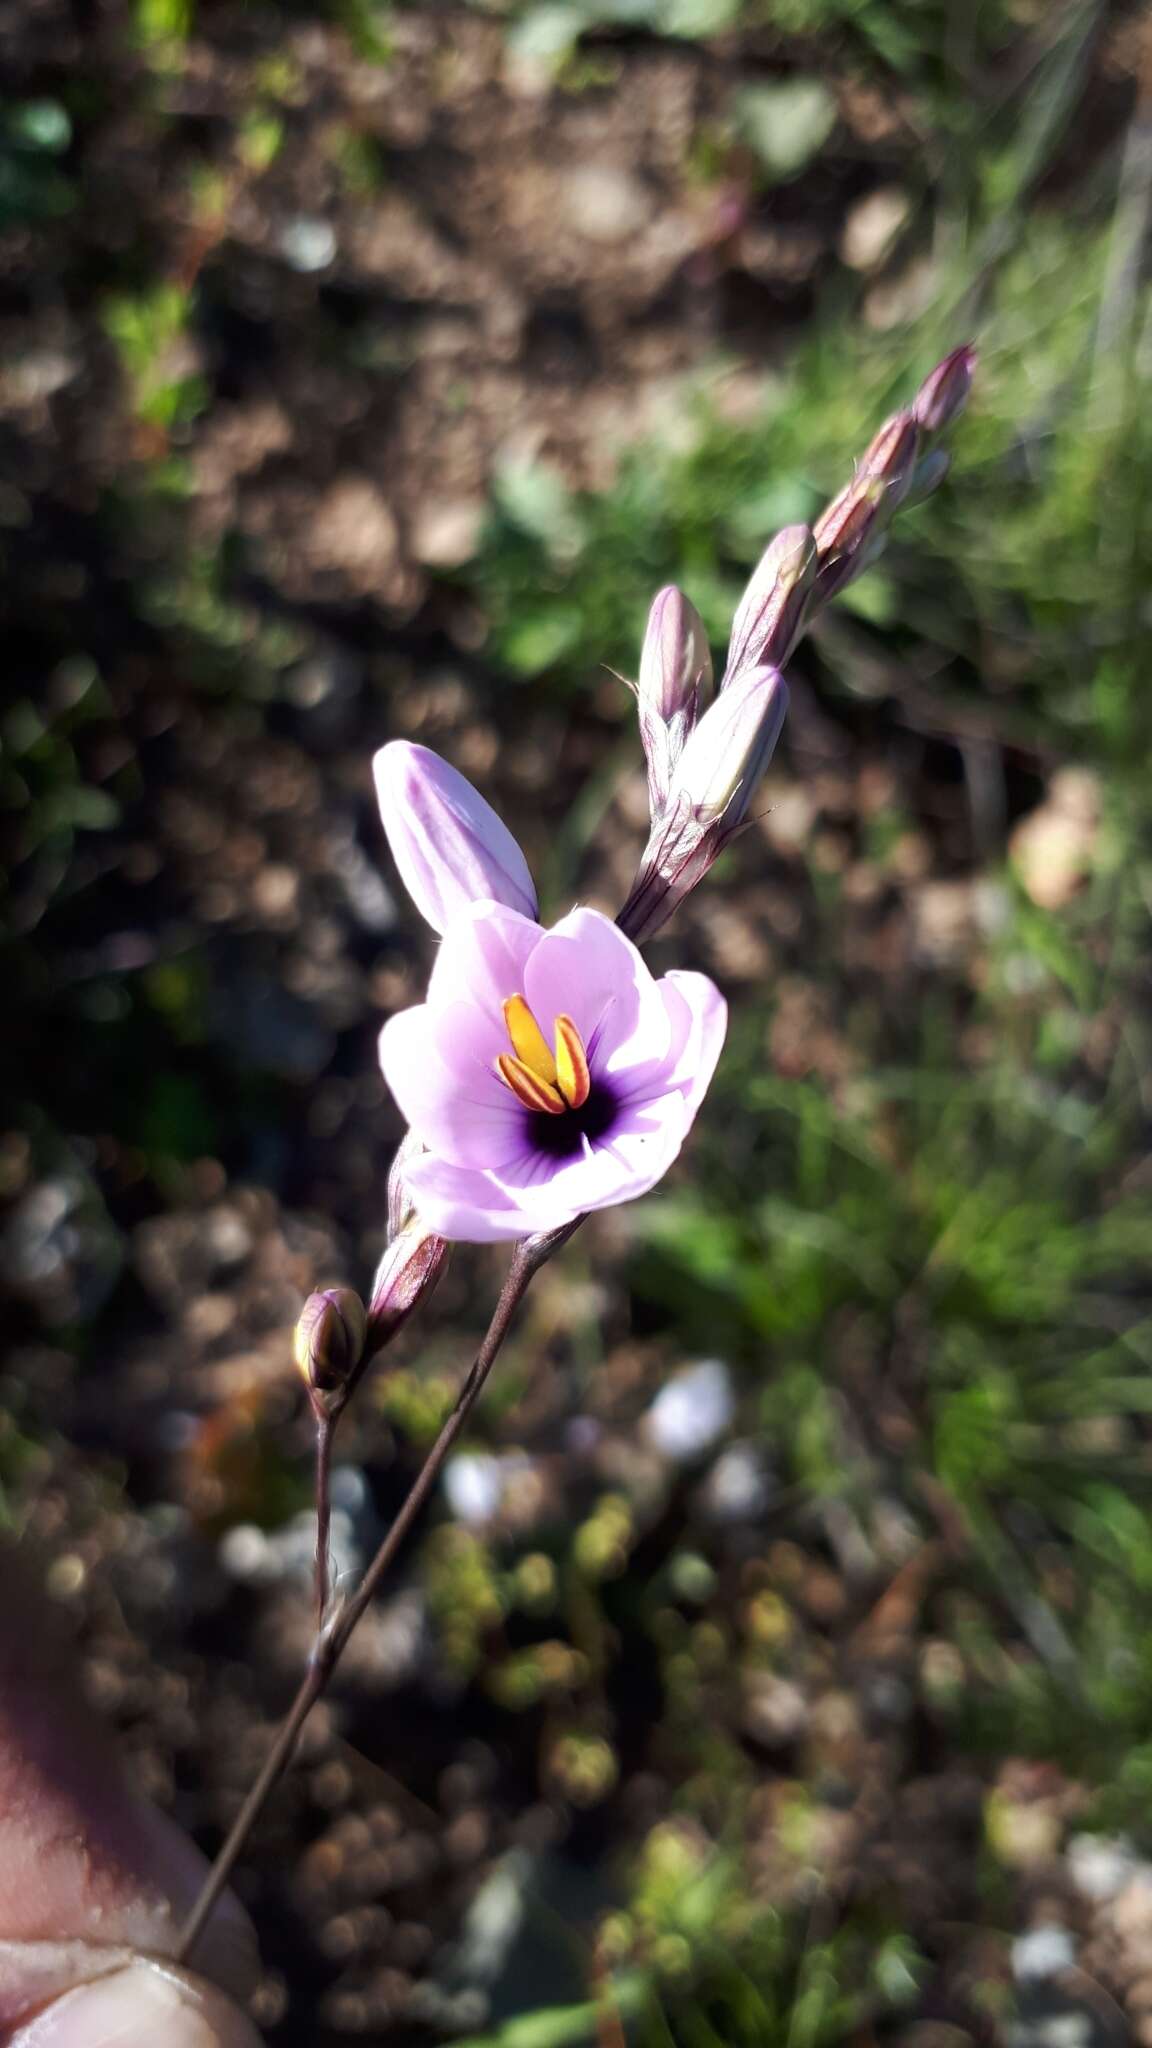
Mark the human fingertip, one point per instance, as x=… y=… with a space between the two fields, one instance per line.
x=138 y=2007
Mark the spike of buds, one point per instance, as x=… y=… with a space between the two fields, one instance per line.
x=329 y=1343
x=770 y=616
x=675 y=669
x=710 y=786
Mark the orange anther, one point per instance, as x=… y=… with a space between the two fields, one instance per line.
x=572 y=1076
x=527 y=1086
x=528 y=1041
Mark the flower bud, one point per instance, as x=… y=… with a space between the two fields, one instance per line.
x=411 y=1267
x=770 y=614
x=730 y=748
x=449 y=845
x=861 y=512
x=944 y=391
x=329 y=1341
x=675 y=667
x=675 y=660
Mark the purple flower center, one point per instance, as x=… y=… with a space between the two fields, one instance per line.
x=562 y=1137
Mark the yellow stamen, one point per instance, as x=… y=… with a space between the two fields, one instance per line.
x=572 y=1076
x=528 y=1041
x=527 y=1086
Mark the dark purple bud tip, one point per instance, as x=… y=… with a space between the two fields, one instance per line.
x=944 y=391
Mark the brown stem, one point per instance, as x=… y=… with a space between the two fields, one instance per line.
x=325 y=1432
x=332 y=1639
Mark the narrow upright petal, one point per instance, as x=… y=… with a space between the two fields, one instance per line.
x=449 y=845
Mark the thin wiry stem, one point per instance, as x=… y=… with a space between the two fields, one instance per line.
x=333 y=1635
x=325 y=1432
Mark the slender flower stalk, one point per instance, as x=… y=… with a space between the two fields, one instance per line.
x=329 y=1347
x=333 y=1636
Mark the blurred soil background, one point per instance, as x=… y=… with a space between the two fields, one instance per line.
x=776 y=1664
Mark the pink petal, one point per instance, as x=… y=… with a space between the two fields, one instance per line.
x=474 y=1208
x=455 y=1117
x=586 y=968
x=699 y=1019
x=483 y=960
x=448 y=843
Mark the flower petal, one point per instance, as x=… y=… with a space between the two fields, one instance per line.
x=474 y=1208
x=482 y=961
x=586 y=969
x=448 y=843
x=699 y=1018
x=447 y=1106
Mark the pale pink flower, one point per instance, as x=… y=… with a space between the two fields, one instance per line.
x=547 y=1073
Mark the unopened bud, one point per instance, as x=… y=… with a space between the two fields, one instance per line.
x=329 y=1341
x=731 y=747
x=675 y=660
x=863 y=509
x=944 y=392
x=413 y=1262
x=770 y=616
x=675 y=668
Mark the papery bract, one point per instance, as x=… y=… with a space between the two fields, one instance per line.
x=523 y=1139
x=449 y=845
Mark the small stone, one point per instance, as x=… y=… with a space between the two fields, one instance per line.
x=605 y=204
x=354 y=532
x=775 y=1710
x=307 y=244
x=872 y=226
x=692 y=1411
x=474 y=1486
x=740 y=1485
x=1101 y=1865
x=446 y=534
x=1053 y=847
x=1042 y=1952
